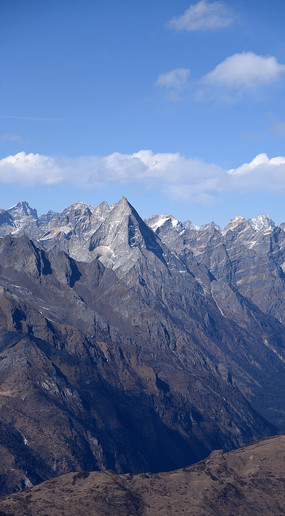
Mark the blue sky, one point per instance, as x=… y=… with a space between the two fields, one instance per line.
x=177 y=105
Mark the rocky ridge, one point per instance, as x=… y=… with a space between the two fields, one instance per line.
x=248 y=254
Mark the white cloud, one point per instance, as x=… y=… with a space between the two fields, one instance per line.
x=262 y=173
x=203 y=15
x=244 y=71
x=174 y=79
x=30 y=169
x=171 y=173
x=237 y=73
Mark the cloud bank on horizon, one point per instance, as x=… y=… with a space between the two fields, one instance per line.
x=173 y=174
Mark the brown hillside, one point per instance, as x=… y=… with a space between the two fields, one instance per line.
x=249 y=481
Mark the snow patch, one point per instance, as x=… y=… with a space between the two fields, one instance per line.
x=156 y=221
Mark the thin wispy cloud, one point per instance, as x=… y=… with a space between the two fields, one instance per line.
x=202 y=16
x=277 y=126
x=13 y=138
x=251 y=135
x=174 y=79
x=172 y=174
x=32 y=118
x=173 y=83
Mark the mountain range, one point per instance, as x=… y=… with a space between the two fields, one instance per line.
x=135 y=345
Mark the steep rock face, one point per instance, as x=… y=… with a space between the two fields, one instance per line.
x=6 y=221
x=136 y=359
x=248 y=254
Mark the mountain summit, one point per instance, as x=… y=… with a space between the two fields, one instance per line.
x=22 y=209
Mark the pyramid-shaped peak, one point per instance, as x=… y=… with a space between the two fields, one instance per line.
x=123 y=208
x=124 y=202
x=122 y=233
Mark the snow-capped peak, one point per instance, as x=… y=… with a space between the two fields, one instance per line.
x=262 y=222
x=156 y=221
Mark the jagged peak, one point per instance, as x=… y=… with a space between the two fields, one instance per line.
x=189 y=225
x=103 y=204
x=101 y=210
x=237 y=219
x=156 y=221
x=210 y=225
x=23 y=208
x=79 y=206
x=234 y=222
x=20 y=204
x=262 y=222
